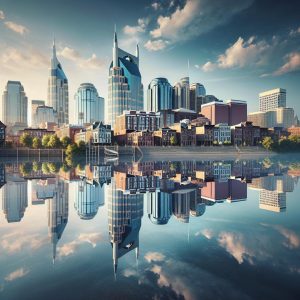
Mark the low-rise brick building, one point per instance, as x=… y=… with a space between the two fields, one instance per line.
x=163 y=136
x=140 y=138
x=186 y=134
x=205 y=135
x=245 y=134
x=36 y=132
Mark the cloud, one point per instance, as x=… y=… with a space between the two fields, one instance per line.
x=294 y=32
x=292 y=240
x=17 y=241
x=194 y=18
x=92 y=62
x=242 y=53
x=292 y=64
x=16 y=274
x=20 y=29
x=2 y=15
x=156 y=45
x=140 y=28
x=154 y=256
x=70 y=248
x=156 y=5
x=208 y=233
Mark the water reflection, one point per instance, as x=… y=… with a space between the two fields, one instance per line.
x=175 y=191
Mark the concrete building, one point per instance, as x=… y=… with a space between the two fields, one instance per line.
x=89 y=106
x=272 y=99
x=258 y=119
x=125 y=89
x=272 y=201
x=13 y=108
x=58 y=90
x=34 y=105
x=197 y=93
x=181 y=94
x=43 y=115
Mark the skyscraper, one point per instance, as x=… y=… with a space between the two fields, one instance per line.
x=159 y=95
x=89 y=106
x=125 y=89
x=181 y=93
x=58 y=93
x=34 y=105
x=272 y=99
x=14 y=105
x=197 y=93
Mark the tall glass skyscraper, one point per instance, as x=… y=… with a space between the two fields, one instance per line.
x=13 y=108
x=125 y=89
x=58 y=92
x=89 y=106
x=197 y=92
x=159 y=95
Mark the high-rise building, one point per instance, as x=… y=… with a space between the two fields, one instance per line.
x=34 y=105
x=58 y=91
x=125 y=88
x=14 y=104
x=272 y=99
x=89 y=106
x=181 y=93
x=197 y=93
x=44 y=114
x=159 y=95
x=14 y=200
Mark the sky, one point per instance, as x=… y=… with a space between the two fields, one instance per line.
x=235 y=48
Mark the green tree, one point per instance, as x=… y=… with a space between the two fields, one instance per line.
x=71 y=149
x=45 y=140
x=81 y=147
x=26 y=140
x=45 y=168
x=65 y=141
x=36 y=166
x=26 y=168
x=53 y=167
x=54 y=142
x=173 y=140
x=36 y=143
x=268 y=143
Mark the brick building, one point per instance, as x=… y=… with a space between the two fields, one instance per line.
x=162 y=137
x=245 y=134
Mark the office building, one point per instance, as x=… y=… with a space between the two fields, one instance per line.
x=181 y=93
x=159 y=95
x=34 y=105
x=197 y=93
x=233 y=112
x=89 y=106
x=258 y=119
x=272 y=99
x=43 y=115
x=272 y=201
x=2 y=133
x=58 y=91
x=125 y=89
x=13 y=108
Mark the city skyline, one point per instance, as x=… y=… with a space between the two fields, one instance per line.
x=237 y=62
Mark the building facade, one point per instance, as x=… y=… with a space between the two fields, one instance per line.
x=101 y=133
x=164 y=136
x=58 y=91
x=197 y=93
x=222 y=134
x=245 y=134
x=44 y=114
x=272 y=99
x=34 y=105
x=2 y=134
x=181 y=93
x=159 y=95
x=89 y=106
x=125 y=89
x=14 y=105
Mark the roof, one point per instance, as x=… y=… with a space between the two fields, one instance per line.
x=184 y=110
x=269 y=92
x=213 y=103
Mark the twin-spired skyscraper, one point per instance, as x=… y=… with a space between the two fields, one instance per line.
x=58 y=92
x=125 y=88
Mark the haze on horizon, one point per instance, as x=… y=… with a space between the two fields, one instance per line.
x=236 y=48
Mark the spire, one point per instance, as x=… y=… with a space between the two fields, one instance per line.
x=137 y=53
x=115 y=258
x=54 y=58
x=115 y=49
x=53 y=252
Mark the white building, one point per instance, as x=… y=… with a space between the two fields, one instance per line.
x=272 y=99
x=44 y=114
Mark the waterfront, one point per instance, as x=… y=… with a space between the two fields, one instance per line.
x=224 y=229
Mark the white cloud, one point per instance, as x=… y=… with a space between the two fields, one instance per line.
x=292 y=64
x=156 y=5
x=2 y=15
x=16 y=274
x=154 y=256
x=292 y=240
x=139 y=28
x=208 y=233
x=20 y=29
x=193 y=19
x=92 y=62
x=89 y=238
x=156 y=45
x=294 y=32
x=242 y=53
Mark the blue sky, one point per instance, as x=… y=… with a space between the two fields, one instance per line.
x=236 y=48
